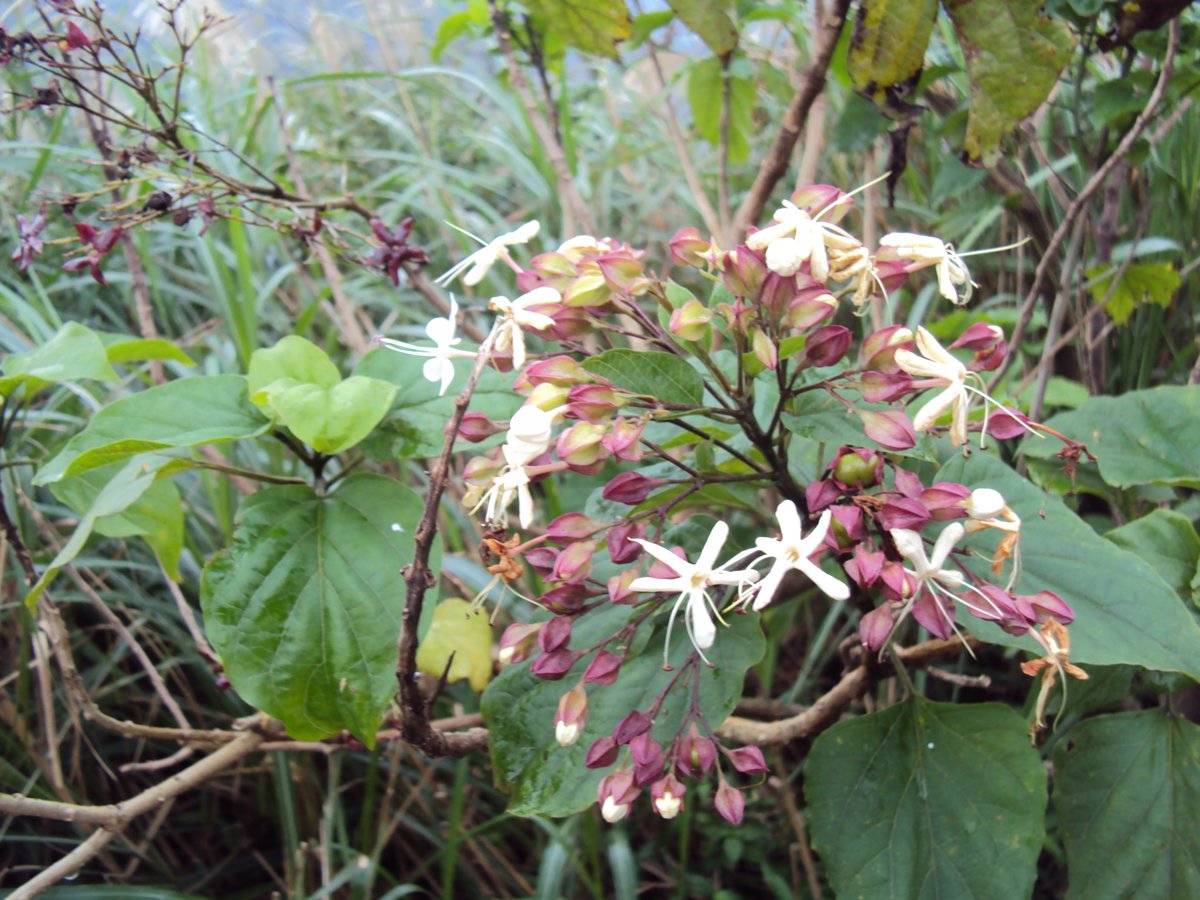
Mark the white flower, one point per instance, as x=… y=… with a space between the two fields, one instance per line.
x=986 y=508
x=529 y=435
x=935 y=362
x=692 y=582
x=931 y=574
x=511 y=484
x=515 y=315
x=668 y=805
x=438 y=367
x=479 y=262
x=930 y=251
x=612 y=811
x=791 y=551
x=566 y=733
x=805 y=237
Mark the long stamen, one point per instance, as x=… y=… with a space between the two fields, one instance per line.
x=857 y=190
x=671 y=627
x=1013 y=246
x=935 y=588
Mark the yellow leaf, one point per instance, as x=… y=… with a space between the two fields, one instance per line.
x=460 y=629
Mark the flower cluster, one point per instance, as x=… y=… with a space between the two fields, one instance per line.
x=865 y=530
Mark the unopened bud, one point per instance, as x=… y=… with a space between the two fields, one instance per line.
x=565 y=600
x=891 y=429
x=623 y=439
x=826 y=345
x=571 y=715
x=687 y=247
x=630 y=488
x=690 y=321
x=765 y=350
x=593 y=402
x=743 y=272
x=574 y=564
x=552 y=666
x=571 y=527
x=622 y=547
x=555 y=634
x=615 y=794
x=874 y=627
x=695 y=754
x=579 y=446
x=560 y=371
x=603 y=669
x=517 y=642
x=475 y=427
x=667 y=794
x=748 y=760
x=602 y=753
x=637 y=722
x=730 y=803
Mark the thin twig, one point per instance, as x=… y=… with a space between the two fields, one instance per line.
x=1049 y=254
x=775 y=164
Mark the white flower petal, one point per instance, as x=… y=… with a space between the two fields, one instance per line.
x=770 y=584
x=789 y=523
x=944 y=544
x=703 y=631
x=438 y=369
x=667 y=558
x=712 y=546
x=829 y=585
x=658 y=585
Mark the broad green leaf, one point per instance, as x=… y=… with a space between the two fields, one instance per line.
x=1127 y=795
x=1124 y=611
x=646 y=24
x=330 y=419
x=1168 y=543
x=662 y=376
x=75 y=352
x=451 y=29
x=460 y=635
x=704 y=96
x=928 y=800
x=188 y=412
x=416 y=427
x=1139 y=283
x=157 y=515
x=545 y=779
x=1014 y=54
x=592 y=26
x=711 y=20
x=304 y=607
x=122 y=348
x=292 y=358
x=1142 y=437
x=887 y=46
x=124 y=488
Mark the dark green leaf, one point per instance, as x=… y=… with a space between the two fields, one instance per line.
x=186 y=413
x=1142 y=437
x=304 y=607
x=1124 y=612
x=1168 y=542
x=543 y=778
x=1127 y=793
x=652 y=374
x=1014 y=54
x=593 y=26
x=928 y=800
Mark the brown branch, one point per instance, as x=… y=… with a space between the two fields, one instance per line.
x=829 y=707
x=415 y=726
x=1050 y=254
x=812 y=83
x=112 y=819
x=575 y=213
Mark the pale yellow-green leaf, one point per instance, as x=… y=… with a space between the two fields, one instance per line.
x=462 y=630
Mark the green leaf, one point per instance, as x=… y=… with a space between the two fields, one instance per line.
x=1168 y=543
x=304 y=607
x=451 y=29
x=928 y=800
x=711 y=20
x=75 y=352
x=1139 y=283
x=1127 y=794
x=330 y=419
x=292 y=358
x=186 y=413
x=1014 y=55
x=122 y=348
x=157 y=515
x=1124 y=611
x=545 y=779
x=704 y=97
x=887 y=46
x=646 y=24
x=662 y=376
x=592 y=26
x=1142 y=437
x=416 y=428
x=122 y=490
